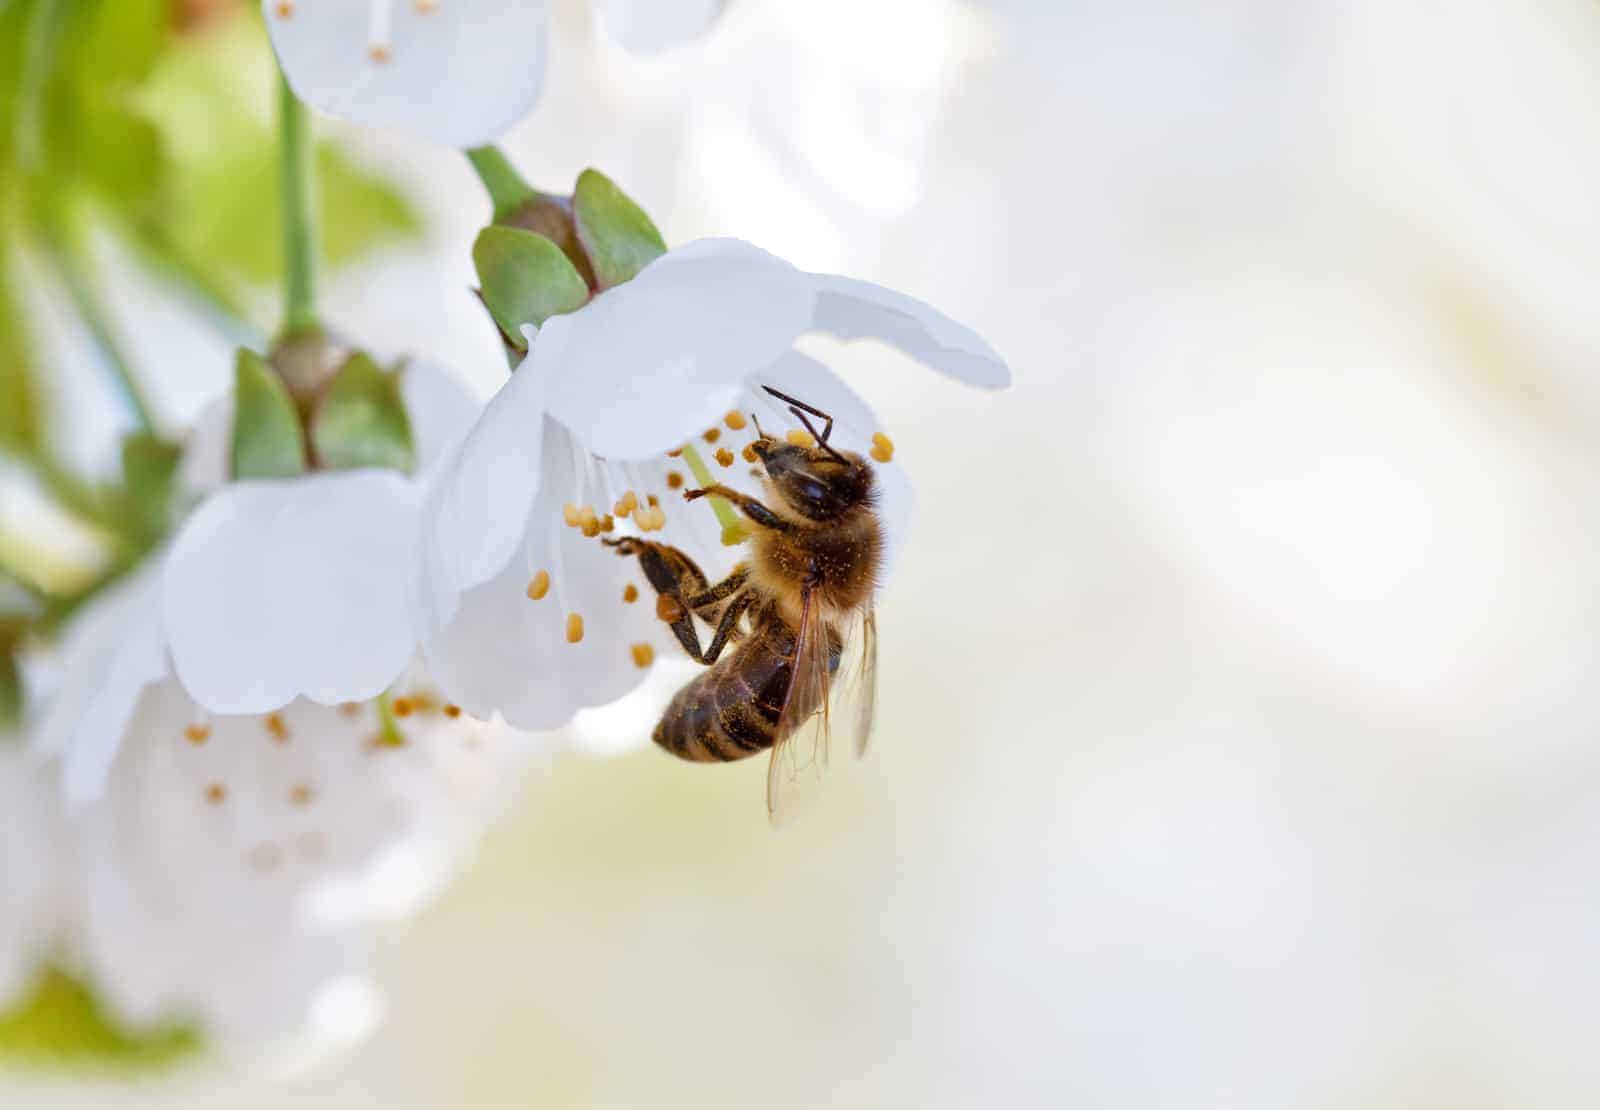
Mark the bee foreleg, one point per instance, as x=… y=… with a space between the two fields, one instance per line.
x=746 y=504
x=727 y=625
x=720 y=592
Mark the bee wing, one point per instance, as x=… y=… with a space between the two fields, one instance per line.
x=800 y=755
x=857 y=682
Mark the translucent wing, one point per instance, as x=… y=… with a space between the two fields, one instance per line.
x=800 y=756
x=835 y=686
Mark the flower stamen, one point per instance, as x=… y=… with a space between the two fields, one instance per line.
x=539 y=585
x=882 y=447
x=378 y=47
x=735 y=420
x=643 y=654
x=574 y=627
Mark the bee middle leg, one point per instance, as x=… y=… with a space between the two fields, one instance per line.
x=682 y=592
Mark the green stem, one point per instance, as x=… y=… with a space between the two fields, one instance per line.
x=702 y=474
x=507 y=189
x=389 y=734
x=297 y=169
x=75 y=276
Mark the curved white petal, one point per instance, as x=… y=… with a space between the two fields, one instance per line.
x=441 y=410
x=300 y=587
x=477 y=504
x=651 y=26
x=30 y=904
x=504 y=652
x=649 y=362
x=458 y=73
x=205 y=463
x=112 y=652
x=851 y=309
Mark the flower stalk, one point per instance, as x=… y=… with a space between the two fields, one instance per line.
x=298 y=182
x=507 y=189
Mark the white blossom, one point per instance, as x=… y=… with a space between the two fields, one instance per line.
x=454 y=72
x=524 y=613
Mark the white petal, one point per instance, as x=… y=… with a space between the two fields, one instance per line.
x=300 y=587
x=477 y=504
x=851 y=309
x=459 y=74
x=502 y=652
x=206 y=451
x=649 y=362
x=113 y=651
x=30 y=907
x=651 y=26
x=440 y=407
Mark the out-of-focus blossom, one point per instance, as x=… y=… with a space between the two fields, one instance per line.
x=524 y=612
x=454 y=72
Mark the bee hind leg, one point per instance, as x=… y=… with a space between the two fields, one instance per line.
x=673 y=575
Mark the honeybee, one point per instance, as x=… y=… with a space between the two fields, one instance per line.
x=792 y=609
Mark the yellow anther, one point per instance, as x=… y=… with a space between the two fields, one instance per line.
x=882 y=447
x=675 y=452
x=427 y=7
x=630 y=593
x=539 y=585
x=734 y=419
x=711 y=435
x=216 y=793
x=643 y=655
x=655 y=502
x=350 y=708
x=608 y=523
x=452 y=710
x=275 y=726
x=197 y=734
x=800 y=438
x=674 y=480
x=574 y=628
x=302 y=794
x=626 y=505
x=724 y=456
x=402 y=707
x=588 y=520
x=569 y=513
x=749 y=453
x=284 y=8
x=380 y=52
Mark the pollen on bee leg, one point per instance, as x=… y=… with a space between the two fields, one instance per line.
x=724 y=456
x=734 y=419
x=669 y=608
x=643 y=654
x=630 y=593
x=539 y=585
x=574 y=627
x=882 y=447
x=800 y=437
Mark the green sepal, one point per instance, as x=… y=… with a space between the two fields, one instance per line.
x=268 y=441
x=10 y=691
x=61 y=1024
x=616 y=234
x=525 y=280
x=361 y=420
x=149 y=473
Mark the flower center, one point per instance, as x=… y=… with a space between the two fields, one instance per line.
x=380 y=44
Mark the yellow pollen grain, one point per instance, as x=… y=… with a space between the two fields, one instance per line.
x=630 y=593
x=655 y=502
x=539 y=585
x=197 y=734
x=734 y=419
x=711 y=435
x=882 y=447
x=749 y=453
x=588 y=521
x=402 y=707
x=800 y=438
x=302 y=794
x=674 y=480
x=643 y=654
x=452 y=711
x=628 y=502
x=724 y=456
x=275 y=726
x=216 y=794
x=569 y=513
x=380 y=52
x=608 y=523
x=574 y=627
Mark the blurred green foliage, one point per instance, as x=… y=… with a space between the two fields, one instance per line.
x=61 y=1024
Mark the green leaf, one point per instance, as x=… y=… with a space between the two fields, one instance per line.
x=10 y=691
x=361 y=420
x=21 y=418
x=149 y=473
x=526 y=279
x=616 y=234
x=62 y=1024
x=268 y=441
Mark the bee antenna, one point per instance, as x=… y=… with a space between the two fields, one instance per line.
x=757 y=421
x=797 y=406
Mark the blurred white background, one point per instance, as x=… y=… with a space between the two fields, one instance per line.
x=1238 y=729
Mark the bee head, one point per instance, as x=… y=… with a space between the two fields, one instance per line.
x=815 y=481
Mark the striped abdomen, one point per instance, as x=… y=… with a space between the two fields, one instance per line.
x=731 y=711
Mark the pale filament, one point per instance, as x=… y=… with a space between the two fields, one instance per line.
x=378 y=45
